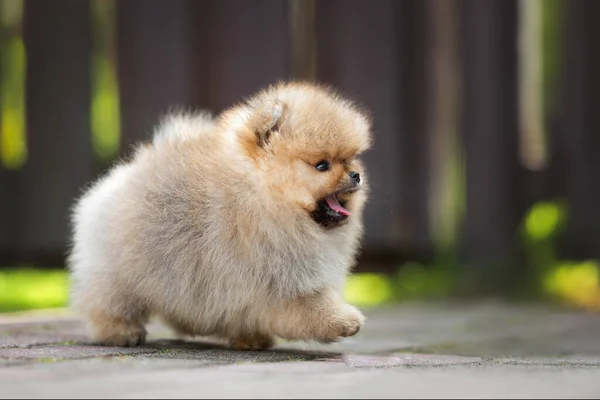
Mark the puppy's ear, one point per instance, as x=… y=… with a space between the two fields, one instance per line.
x=266 y=121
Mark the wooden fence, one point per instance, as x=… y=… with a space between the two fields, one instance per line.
x=441 y=77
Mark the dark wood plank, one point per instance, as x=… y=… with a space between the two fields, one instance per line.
x=9 y=216
x=303 y=39
x=58 y=41
x=580 y=129
x=414 y=35
x=8 y=192
x=490 y=138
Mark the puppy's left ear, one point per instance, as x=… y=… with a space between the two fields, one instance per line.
x=267 y=121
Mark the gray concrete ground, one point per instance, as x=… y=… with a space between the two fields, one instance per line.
x=480 y=350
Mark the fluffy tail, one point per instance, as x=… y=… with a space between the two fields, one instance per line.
x=181 y=126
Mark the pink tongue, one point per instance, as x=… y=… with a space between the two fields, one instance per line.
x=335 y=205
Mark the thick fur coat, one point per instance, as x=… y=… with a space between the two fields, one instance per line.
x=233 y=227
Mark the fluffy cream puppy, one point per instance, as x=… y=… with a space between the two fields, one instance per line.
x=242 y=227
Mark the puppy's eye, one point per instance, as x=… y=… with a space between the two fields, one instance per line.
x=323 y=166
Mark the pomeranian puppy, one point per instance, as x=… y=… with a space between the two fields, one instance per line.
x=243 y=227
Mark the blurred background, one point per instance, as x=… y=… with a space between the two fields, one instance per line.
x=485 y=170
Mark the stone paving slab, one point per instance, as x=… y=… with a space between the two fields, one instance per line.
x=484 y=350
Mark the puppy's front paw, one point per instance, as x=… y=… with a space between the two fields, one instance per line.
x=346 y=323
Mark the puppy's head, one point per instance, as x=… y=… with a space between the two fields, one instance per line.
x=305 y=141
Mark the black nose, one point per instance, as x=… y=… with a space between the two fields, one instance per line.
x=355 y=176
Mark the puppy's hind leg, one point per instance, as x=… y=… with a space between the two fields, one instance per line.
x=114 y=320
x=114 y=330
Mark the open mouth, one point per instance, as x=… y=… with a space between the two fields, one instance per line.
x=331 y=211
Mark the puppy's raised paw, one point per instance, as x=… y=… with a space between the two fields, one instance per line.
x=345 y=324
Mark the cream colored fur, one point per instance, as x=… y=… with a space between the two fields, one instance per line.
x=209 y=226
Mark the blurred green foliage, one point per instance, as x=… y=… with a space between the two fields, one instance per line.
x=575 y=283
x=27 y=288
